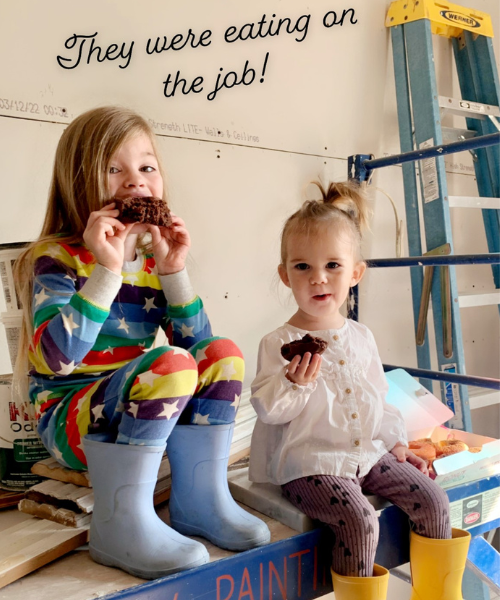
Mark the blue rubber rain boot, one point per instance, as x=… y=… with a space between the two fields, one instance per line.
x=125 y=531
x=200 y=500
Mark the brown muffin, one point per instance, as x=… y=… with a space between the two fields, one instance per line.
x=144 y=210
x=308 y=343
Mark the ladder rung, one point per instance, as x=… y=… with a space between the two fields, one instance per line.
x=473 y=202
x=464 y=108
x=455 y=134
x=482 y=397
x=478 y=299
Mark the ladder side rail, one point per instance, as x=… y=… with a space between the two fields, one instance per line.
x=427 y=126
x=410 y=188
x=478 y=79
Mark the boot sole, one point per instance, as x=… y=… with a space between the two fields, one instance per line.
x=108 y=561
x=240 y=545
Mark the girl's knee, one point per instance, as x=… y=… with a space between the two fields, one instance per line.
x=168 y=359
x=165 y=372
x=217 y=348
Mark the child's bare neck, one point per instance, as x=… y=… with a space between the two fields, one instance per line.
x=309 y=323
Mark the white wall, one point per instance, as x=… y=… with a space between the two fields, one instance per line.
x=321 y=100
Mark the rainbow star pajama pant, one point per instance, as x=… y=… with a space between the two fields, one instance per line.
x=142 y=401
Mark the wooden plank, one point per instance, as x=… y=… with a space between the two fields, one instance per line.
x=64 y=516
x=63 y=495
x=53 y=470
x=10 y=498
x=33 y=543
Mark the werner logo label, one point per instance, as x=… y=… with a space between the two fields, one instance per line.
x=459 y=18
x=471 y=518
x=472 y=511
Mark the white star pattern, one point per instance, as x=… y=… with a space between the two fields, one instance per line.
x=55 y=251
x=80 y=447
x=187 y=331
x=133 y=409
x=200 y=419
x=97 y=411
x=228 y=370
x=81 y=402
x=148 y=377
x=150 y=303
x=57 y=453
x=128 y=374
x=131 y=279
x=200 y=354
x=69 y=323
x=40 y=297
x=43 y=396
x=66 y=369
x=109 y=349
x=169 y=410
x=236 y=401
x=178 y=350
x=123 y=325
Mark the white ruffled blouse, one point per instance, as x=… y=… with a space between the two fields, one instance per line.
x=338 y=425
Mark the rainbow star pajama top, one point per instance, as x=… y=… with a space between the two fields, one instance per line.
x=95 y=369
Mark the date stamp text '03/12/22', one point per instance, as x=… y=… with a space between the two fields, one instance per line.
x=173 y=127
x=33 y=108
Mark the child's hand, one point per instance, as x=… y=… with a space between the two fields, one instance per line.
x=105 y=237
x=170 y=246
x=402 y=453
x=304 y=371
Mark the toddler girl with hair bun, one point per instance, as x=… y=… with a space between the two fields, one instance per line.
x=324 y=431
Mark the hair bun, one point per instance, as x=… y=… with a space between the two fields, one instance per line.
x=349 y=197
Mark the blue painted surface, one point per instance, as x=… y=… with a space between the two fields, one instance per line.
x=294 y=568
x=297 y=568
x=483 y=556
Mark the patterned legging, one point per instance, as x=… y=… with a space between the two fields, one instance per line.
x=142 y=401
x=339 y=503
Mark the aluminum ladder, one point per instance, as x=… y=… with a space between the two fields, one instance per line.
x=420 y=109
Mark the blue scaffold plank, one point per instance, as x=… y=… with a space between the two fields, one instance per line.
x=484 y=561
x=292 y=569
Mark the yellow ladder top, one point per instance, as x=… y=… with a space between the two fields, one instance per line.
x=446 y=19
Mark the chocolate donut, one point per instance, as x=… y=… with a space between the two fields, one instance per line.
x=308 y=343
x=143 y=210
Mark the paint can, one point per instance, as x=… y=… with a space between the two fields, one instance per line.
x=20 y=444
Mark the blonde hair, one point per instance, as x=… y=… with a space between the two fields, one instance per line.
x=343 y=203
x=78 y=187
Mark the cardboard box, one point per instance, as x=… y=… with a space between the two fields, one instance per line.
x=8 y=255
x=424 y=415
x=12 y=322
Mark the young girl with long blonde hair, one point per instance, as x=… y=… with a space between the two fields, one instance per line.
x=94 y=296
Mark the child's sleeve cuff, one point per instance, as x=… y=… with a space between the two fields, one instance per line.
x=177 y=288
